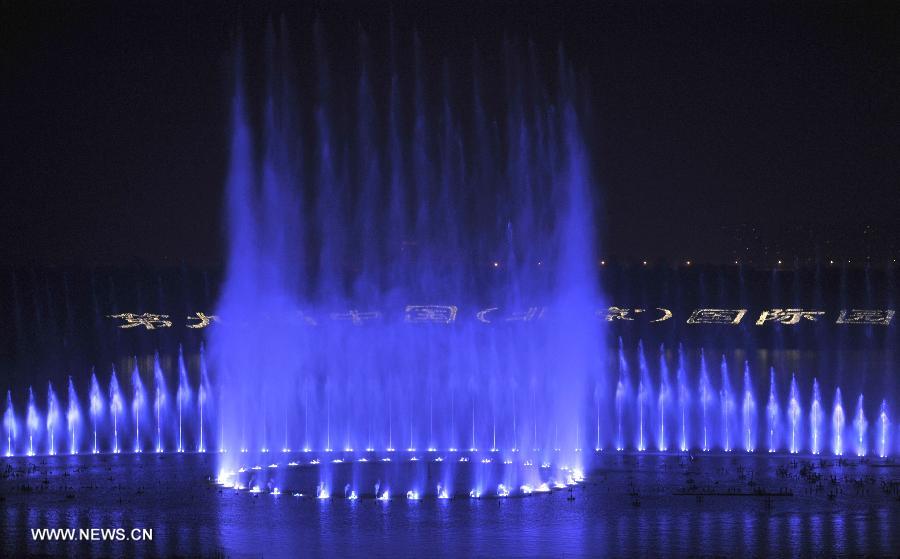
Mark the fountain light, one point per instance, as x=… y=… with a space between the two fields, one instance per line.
x=353 y=496
x=386 y=496
x=255 y=489
x=527 y=489
x=412 y=495
x=276 y=491
x=322 y=492
x=542 y=488
x=475 y=494
x=502 y=491
x=292 y=464
x=442 y=493
x=363 y=459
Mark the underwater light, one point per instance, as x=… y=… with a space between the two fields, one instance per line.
x=412 y=495
x=384 y=496
x=353 y=496
x=475 y=494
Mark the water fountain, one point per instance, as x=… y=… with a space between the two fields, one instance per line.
x=860 y=423
x=794 y=415
x=116 y=405
x=96 y=407
x=748 y=411
x=159 y=381
x=32 y=421
x=9 y=423
x=837 y=424
x=137 y=404
x=816 y=418
x=772 y=413
x=52 y=418
x=73 y=417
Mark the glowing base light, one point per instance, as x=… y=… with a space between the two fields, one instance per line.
x=475 y=494
x=542 y=488
x=255 y=489
x=276 y=491
x=526 y=489
x=412 y=495
x=502 y=491
x=353 y=496
x=322 y=492
x=384 y=496
x=442 y=493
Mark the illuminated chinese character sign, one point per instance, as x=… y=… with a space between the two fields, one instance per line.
x=450 y=314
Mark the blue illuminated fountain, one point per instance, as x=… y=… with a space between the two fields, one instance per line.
x=413 y=282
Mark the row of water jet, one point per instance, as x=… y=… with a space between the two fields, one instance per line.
x=693 y=415
x=113 y=417
x=699 y=415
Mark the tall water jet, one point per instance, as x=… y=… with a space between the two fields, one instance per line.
x=772 y=412
x=727 y=402
x=815 y=417
x=73 y=417
x=663 y=398
x=837 y=424
x=202 y=392
x=621 y=395
x=32 y=421
x=9 y=423
x=706 y=396
x=116 y=405
x=182 y=396
x=683 y=398
x=52 y=418
x=794 y=415
x=748 y=411
x=860 y=424
x=644 y=398
x=137 y=404
x=884 y=425
x=159 y=400
x=96 y=406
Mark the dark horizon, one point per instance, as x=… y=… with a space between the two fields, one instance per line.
x=711 y=127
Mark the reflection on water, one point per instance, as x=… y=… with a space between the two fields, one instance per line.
x=628 y=506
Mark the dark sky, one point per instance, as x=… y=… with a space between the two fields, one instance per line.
x=115 y=116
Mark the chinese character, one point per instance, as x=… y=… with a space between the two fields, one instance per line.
x=617 y=313
x=717 y=316
x=444 y=314
x=147 y=320
x=863 y=316
x=533 y=313
x=482 y=315
x=203 y=320
x=666 y=315
x=356 y=317
x=787 y=316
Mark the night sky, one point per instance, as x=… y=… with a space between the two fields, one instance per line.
x=706 y=114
